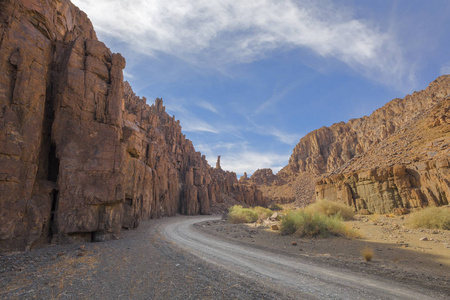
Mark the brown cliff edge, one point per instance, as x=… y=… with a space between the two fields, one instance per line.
x=398 y=157
x=81 y=156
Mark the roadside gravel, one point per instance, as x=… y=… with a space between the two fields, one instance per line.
x=144 y=264
x=140 y=265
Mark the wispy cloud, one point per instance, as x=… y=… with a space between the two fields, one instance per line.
x=270 y=130
x=189 y=121
x=277 y=96
x=127 y=75
x=445 y=69
x=208 y=106
x=284 y=137
x=216 y=32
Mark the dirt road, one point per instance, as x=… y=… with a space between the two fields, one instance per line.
x=287 y=275
x=172 y=259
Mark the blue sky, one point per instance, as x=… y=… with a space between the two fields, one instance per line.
x=247 y=79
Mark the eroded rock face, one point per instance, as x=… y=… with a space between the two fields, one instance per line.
x=37 y=40
x=263 y=176
x=410 y=169
x=81 y=156
x=381 y=190
x=328 y=148
x=396 y=134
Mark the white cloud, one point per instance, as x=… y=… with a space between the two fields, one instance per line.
x=250 y=161
x=287 y=138
x=189 y=122
x=284 y=137
x=240 y=158
x=208 y=106
x=445 y=69
x=277 y=95
x=219 y=32
x=127 y=75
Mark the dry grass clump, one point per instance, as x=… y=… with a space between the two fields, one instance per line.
x=331 y=208
x=431 y=218
x=263 y=213
x=307 y=223
x=367 y=254
x=239 y=214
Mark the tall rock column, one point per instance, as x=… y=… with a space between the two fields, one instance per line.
x=86 y=133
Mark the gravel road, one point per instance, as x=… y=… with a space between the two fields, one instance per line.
x=287 y=275
x=171 y=258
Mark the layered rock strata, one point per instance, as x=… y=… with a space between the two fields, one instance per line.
x=392 y=138
x=81 y=156
x=410 y=169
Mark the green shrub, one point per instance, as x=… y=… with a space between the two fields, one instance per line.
x=239 y=214
x=263 y=213
x=276 y=207
x=330 y=208
x=431 y=217
x=307 y=223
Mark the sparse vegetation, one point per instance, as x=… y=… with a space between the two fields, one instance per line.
x=263 y=213
x=375 y=218
x=307 y=223
x=331 y=208
x=367 y=254
x=431 y=217
x=276 y=207
x=239 y=214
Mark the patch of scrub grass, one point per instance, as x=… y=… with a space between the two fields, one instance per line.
x=263 y=213
x=307 y=223
x=239 y=214
x=367 y=254
x=331 y=208
x=431 y=218
x=276 y=207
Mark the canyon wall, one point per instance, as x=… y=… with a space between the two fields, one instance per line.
x=326 y=149
x=358 y=162
x=409 y=169
x=81 y=156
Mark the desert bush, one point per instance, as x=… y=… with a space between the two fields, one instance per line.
x=367 y=254
x=331 y=208
x=307 y=223
x=276 y=207
x=263 y=213
x=239 y=214
x=431 y=217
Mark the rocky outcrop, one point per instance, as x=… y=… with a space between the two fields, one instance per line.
x=381 y=190
x=263 y=176
x=410 y=169
x=328 y=148
x=81 y=155
x=395 y=135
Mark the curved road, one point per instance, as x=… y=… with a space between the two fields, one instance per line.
x=288 y=275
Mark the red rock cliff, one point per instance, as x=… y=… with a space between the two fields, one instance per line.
x=80 y=155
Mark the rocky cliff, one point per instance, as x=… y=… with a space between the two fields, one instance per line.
x=81 y=156
x=365 y=155
x=409 y=169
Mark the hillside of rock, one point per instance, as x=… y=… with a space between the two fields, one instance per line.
x=81 y=156
x=363 y=144
x=409 y=169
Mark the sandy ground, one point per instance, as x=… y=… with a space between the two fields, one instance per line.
x=398 y=251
